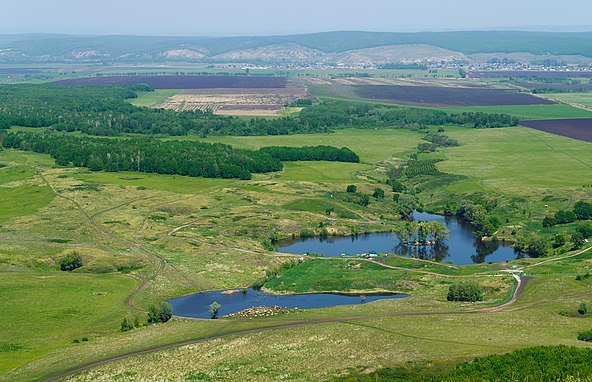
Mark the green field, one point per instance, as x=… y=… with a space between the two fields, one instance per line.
x=518 y=161
x=152 y=99
x=583 y=99
x=53 y=309
x=371 y=145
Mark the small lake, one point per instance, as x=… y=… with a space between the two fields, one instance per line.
x=197 y=305
x=461 y=247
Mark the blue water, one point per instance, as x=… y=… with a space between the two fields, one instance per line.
x=197 y=305
x=461 y=247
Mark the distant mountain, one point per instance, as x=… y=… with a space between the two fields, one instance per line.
x=370 y=47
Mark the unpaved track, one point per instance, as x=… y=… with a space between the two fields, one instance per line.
x=516 y=295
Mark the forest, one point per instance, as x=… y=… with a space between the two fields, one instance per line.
x=168 y=157
x=146 y=155
x=103 y=111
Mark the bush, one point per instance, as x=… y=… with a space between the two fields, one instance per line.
x=71 y=262
x=583 y=309
x=126 y=325
x=378 y=193
x=585 y=336
x=397 y=186
x=465 y=291
x=160 y=313
x=351 y=188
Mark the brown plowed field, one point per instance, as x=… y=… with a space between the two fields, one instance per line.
x=574 y=128
x=184 y=82
x=447 y=96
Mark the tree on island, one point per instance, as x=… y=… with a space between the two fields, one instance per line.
x=214 y=308
x=422 y=233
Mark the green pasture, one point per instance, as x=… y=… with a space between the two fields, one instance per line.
x=151 y=99
x=42 y=312
x=584 y=99
x=518 y=162
x=371 y=145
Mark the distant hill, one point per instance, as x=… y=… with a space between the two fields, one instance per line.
x=317 y=47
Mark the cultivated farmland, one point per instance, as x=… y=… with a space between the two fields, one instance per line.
x=428 y=95
x=574 y=128
x=423 y=92
x=184 y=82
x=239 y=101
x=528 y=73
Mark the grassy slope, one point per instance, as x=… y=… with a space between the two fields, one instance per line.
x=517 y=161
x=42 y=312
x=232 y=214
x=322 y=351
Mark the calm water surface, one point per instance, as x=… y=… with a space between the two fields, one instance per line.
x=461 y=247
x=197 y=305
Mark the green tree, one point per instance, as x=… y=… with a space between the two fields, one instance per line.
x=583 y=309
x=71 y=262
x=406 y=206
x=583 y=210
x=537 y=245
x=397 y=186
x=378 y=193
x=351 y=188
x=438 y=232
x=465 y=291
x=214 y=308
x=126 y=325
x=161 y=312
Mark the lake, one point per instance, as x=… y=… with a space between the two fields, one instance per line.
x=197 y=305
x=461 y=248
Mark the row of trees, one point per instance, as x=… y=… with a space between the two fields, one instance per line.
x=103 y=110
x=312 y=153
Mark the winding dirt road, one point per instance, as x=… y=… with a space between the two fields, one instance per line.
x=516 y=295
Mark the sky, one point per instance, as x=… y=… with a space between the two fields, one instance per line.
x=265 y=17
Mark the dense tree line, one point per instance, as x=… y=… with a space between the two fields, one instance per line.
x=537 y=364
x=103 y=110
x=312 y=153
x=146 y=155
x=582 y=211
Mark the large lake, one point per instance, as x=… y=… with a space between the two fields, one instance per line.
x=461 y=247
x=197 y=305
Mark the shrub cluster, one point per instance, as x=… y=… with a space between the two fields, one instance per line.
x=465 y=291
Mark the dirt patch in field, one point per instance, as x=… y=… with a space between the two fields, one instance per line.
x=574 y=128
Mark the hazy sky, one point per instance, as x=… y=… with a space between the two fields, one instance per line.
x=246 y=17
